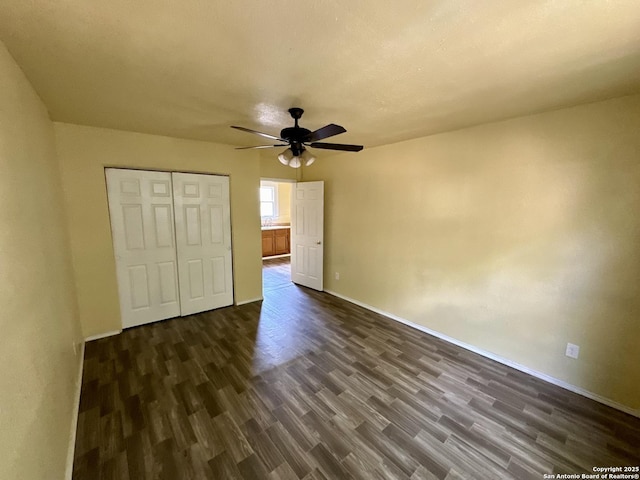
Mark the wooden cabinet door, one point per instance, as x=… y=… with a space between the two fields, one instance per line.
x=268 y=243
x=282 y=241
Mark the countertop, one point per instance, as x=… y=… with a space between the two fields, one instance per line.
x=275 y=227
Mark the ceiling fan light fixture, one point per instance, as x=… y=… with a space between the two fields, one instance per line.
x=295 y=162
x=285 y=157
x=307 y=157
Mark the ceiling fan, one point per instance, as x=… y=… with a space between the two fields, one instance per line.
x=297 y=139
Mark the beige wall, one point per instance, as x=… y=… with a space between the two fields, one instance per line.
x=515 y=237
x=84 y=152
x=284 y=202
x=38 y=317
x=271 y=168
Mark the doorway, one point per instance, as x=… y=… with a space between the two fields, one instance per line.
x=292 y=216
x=275 y=217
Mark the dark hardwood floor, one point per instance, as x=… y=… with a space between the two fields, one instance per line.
x=305 y=385
x=276 y=273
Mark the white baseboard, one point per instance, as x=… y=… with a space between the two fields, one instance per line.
x=74 y=418
x=102 y=335
x=497 y=358
x=244 y=302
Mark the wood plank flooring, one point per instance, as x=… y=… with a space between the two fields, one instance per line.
x=306 y=386
x=276 y=273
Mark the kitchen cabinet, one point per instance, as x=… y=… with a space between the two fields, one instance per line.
x=275 y=241
x=282 y=241
x=268 y=243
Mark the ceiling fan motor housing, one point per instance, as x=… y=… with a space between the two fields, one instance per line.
x=296 y=135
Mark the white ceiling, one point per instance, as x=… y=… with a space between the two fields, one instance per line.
x=386 y=71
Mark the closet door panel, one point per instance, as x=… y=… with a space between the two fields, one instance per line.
x=142 y=226
x=203 y=241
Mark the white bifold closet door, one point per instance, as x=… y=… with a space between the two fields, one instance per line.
x=203 y=238
x=172 y=242
x=141 y=209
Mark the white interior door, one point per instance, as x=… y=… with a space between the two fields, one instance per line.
x=203 y=240
x=307 y=234
x=141 y=210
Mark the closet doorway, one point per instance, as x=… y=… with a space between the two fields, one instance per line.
x=172 y=243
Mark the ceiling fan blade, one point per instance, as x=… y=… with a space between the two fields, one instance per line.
x=261 y=146
x=337 y=146
x=325 y=132
x=266 y=135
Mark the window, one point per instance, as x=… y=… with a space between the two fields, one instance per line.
x=268 y=201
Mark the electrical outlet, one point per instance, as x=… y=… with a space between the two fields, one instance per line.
x=337 y=275
x=572 y=350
